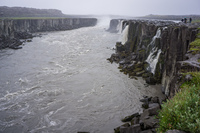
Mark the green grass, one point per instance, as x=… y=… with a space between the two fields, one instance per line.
x=195 y=45
x=195 y=80
x=196 y=21
x=182 y=112
x=199 y=60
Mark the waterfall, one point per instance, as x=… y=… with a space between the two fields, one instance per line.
x=120 y=26
x=154 y=55
x=153 y=59
x=124 y=35
x=158 y=33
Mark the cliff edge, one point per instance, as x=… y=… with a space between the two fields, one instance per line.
x=154 y=50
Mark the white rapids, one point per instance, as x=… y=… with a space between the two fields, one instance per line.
x=62 y=83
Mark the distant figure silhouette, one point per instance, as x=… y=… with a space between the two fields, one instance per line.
x=182 y=19
x=190 y=20
x=185 y=20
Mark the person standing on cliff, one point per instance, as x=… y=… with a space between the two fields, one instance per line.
x=182 y=19
x=185 y=20
x=190 y=20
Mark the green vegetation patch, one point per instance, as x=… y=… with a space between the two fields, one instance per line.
x=196 y=21
x=199 y=60
x=195 y=45
x=195 y=80
x=182 y=112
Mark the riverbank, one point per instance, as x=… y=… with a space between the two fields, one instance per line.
x=160 y=52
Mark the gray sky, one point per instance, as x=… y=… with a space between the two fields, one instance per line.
x=113 y=7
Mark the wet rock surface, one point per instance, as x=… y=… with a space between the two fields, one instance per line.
x=18 y=41
x=156 y=51
x=145 y=122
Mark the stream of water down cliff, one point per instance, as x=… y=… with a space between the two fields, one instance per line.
x=62 y=83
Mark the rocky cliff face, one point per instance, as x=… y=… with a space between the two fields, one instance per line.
x=21 y=28
x=153 y=50
x=8 y=27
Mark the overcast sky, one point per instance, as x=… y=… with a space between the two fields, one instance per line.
x=113 y=7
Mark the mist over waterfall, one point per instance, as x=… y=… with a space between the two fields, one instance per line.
x=120 y=26
x=103 y=22
x=154 y=54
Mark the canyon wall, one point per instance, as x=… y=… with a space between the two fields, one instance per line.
x=11 y=30
x=8 y=27
x=154 y=50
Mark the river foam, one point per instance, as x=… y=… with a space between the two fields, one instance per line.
x=62 y=82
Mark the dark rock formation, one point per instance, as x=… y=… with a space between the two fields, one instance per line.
x=6 y=42
x=155 y=50
x=145 y=122
x=9 y=26
x=13 y=30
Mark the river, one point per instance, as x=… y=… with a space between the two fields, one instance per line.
x=62 y=83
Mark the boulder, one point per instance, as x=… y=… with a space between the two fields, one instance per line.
x=144 y=115
x=119 y=47
x=150 y=123
x=114 y=58
x=150 y=80
x=145 y=105
x=135 y=121
x=145 y=122
x=153 y=109
x=132 y=129
x=145 y=101
x=146 y=131
x=155 y=99
x=117 y=130
x=147 y=118
x=129 y=118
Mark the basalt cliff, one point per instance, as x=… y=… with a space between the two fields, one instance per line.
x=11 y=30
x=155 y=50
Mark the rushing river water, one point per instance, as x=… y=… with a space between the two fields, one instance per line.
x=62 y=83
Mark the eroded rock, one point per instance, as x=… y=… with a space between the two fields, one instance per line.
x=145 y=122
